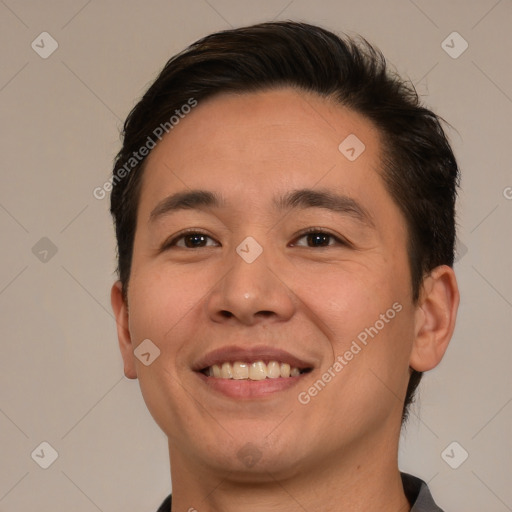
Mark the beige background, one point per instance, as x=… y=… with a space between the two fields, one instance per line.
x=61 y=378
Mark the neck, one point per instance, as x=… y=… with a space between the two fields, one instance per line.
x=355 y=480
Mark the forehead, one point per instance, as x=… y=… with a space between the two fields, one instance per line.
x=274 y=122
x=272 y=135
x=252 y=146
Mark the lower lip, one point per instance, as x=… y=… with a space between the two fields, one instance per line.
x=245 y=388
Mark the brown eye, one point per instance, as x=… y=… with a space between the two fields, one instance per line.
x=191 y=240
x=196 y=240
x=319 y=238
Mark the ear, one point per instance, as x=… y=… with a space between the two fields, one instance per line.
x=120 y=308
x=435 y=318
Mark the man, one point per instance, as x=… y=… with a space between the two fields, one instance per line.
x=284 y=213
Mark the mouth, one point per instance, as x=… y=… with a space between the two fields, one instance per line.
x=256 y=370
x=251 y=373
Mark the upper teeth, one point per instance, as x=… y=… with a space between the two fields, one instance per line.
x=253 y=371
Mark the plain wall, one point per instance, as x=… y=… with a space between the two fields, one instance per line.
x=61 y=376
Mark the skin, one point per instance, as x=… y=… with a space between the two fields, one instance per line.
x=339 y=451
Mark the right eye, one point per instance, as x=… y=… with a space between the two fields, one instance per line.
x=193 y=239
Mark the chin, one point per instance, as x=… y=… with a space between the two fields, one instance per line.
x=252 y=460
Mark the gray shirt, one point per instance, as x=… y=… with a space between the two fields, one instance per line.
x=415 y=489
x=418 y=494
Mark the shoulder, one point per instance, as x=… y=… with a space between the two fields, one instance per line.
x=166 y=505
x=418 y=494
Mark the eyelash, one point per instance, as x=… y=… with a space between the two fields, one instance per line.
x=191 y=231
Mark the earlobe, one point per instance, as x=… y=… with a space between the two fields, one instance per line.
x=120 y=309
x=435 y=318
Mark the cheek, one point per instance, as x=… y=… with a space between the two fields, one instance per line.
x=161 y=307
x=369 y=317
x=352 y=299
x=160 y=299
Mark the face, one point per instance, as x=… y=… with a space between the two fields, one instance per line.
x=248 y=284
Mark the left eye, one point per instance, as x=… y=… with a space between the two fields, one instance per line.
x=192 y=240
x=319 y=238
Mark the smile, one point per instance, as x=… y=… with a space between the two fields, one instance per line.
x=256 y=370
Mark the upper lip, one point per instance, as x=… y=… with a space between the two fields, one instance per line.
x=249 y=354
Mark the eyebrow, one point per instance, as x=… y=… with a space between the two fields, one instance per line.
x=296 y=199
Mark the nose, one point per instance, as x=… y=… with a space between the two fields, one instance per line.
x=250 y=293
